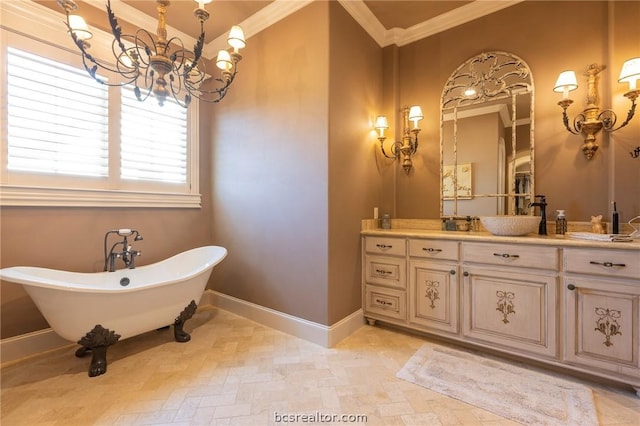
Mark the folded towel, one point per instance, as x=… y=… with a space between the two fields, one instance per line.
x=599 y=237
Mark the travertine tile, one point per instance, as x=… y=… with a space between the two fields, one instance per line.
x=237 y=372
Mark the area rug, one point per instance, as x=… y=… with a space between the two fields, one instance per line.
x=513 y=392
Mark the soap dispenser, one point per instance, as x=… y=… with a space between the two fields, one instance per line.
x=561 y=223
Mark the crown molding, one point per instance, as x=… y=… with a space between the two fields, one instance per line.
x=451 y=19
x=267 y=16
x=400 y=36
x=367 y=20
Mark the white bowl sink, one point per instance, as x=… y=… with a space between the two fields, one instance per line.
x=510 y=225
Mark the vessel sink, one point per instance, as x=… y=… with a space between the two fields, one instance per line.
x=510 y=225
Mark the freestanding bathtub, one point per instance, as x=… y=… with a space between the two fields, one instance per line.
x=98 y=309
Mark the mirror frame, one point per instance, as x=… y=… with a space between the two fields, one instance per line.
x=508 y=76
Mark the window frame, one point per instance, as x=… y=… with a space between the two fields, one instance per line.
x=18 y=18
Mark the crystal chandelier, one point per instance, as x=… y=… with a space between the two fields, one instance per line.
x=155 y=64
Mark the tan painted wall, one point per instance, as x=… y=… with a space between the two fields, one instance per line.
x=270 y=169
x=550 y=36
x=355 y=96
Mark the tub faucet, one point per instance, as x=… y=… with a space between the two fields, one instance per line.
x=542 y=228
x=126 y=253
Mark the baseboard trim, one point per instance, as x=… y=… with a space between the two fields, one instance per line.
x=327 y=336
x=30 y=344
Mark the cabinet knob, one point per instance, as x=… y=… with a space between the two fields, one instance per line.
x=465 y=273
x=452 y=272
x=571 y=287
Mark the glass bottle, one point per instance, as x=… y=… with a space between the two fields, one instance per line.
x=561 y=223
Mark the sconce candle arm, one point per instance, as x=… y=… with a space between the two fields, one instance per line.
x=610 y=121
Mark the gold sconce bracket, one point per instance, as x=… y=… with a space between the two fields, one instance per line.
x=408 y=145
x=592 y=120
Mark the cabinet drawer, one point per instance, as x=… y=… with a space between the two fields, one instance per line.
x=385 y=301
x=612 y=263
x=388 y=246
x=434 y=249
x=388 y=271
x=511 y=255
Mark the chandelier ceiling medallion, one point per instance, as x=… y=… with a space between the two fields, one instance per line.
x=155 y=64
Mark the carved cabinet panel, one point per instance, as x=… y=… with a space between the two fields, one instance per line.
x=512 y=309
x=603 y=324
x=433 y=295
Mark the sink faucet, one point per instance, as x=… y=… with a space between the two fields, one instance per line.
x=542 y=228
x=127 y=254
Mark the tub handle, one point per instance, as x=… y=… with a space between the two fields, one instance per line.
x=124 y=281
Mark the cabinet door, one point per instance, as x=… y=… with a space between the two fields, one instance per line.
x=433 y=295
x=603 y=324
x=512 y=309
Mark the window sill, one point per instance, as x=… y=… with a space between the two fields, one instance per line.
x=20 y=196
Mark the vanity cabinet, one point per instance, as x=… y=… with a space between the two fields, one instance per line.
x=574 y=305
x=434 y=285
x=602 y=297
x=385 y=269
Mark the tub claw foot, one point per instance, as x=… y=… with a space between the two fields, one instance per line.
x=178 y=333
x=97 y=341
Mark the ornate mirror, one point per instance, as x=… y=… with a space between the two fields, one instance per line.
x=486 y=138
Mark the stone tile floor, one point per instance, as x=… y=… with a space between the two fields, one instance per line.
x=237 y=372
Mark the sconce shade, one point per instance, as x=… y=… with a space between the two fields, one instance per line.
x=566 y=81
x=79 y=27
x=630 y=72
x=381 y=122
x=236 y=38
x=415 y=113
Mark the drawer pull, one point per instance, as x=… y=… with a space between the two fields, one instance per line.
x=383 y=302
x=383 y=246
x=431 y=250
x=608 y=264
x=571 y=287
x=506 y=255
x=382 y=271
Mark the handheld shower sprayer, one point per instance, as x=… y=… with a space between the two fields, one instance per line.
x=122 y=232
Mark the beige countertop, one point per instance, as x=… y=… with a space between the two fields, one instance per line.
x=548 y=240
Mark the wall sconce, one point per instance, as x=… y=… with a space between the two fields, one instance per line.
x=409 y=144
x=592 y=120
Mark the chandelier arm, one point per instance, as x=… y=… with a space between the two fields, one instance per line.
x=141 y=45
x=149 y=79
x=218 y=92
x=116 y=30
